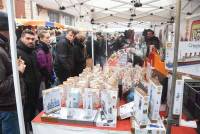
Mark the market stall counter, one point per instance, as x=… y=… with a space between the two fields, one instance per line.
x=49 y=127
x=123 y=127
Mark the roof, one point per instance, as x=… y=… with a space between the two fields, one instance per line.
x=122 y=12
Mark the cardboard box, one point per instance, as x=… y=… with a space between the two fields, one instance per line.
x=114 y=97
x=72 y=115
x=106 y=104
x=141 y=107
x=52 y=100
x=178 y=98
x=110 y=96
x=152 y=128
x=73 y=98
x=127 y=110
x=88 y=99
x=102 y=121
x=155 y=93
x=94 y=100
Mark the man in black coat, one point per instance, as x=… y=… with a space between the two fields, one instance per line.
x=64 y=60
x=26 y=50
x=151 y=39
x=79 y=54
x=8 y=111
x=101 y=52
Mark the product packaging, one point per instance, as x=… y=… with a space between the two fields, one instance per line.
x=52 y=100
x=72 y=115
x=73 y=98
x=151 y=128
x=103 y=121
x=141 y=100
x=178 y=97
x=155 y=93
x=127 y=110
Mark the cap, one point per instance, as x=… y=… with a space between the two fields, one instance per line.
x=4 y=21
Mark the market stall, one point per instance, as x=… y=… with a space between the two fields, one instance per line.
x=51 y=121
x=72 y=108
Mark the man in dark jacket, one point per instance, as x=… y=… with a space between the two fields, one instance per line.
x=151 y=39
x=25 y=50
x=79 y=54
x=8 y=112
x=64 y=60
x=101 y=46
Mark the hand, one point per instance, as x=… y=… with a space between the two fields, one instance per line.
x=21 y=65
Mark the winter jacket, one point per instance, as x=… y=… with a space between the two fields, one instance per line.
x=79 y=58
x=44 y=62
x=31 y=75
x=7 y=91
x=64 y=60
x=101 y=47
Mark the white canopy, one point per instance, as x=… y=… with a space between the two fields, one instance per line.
x=123 y=13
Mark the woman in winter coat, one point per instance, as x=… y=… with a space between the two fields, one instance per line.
x=44 y=62
x=44 y=58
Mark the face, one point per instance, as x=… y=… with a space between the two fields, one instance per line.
x=149 y=34
x=98 y=37
x=70 y=36
x=28 y=40
x=46 y=38
x=5 y=33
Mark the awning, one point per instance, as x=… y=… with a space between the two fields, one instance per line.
x=25 y=22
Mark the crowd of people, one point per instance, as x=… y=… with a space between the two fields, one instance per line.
x=46 y=60
x=43 y=62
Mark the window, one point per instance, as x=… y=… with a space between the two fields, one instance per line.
x=68 y=20
x=54 y=17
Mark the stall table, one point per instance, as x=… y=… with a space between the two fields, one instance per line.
x=123 y=127
x=41 y=127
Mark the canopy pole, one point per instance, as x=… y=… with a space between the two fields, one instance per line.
x=92 y=40
x=106 y=47
x=176 y=46
x=11 y=20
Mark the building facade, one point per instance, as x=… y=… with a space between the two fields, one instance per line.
x=19 y=8
x=30 y=9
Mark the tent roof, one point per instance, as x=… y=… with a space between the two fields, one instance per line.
x=110 y=11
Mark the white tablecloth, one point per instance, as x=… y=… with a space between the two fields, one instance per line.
x=42 y=128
